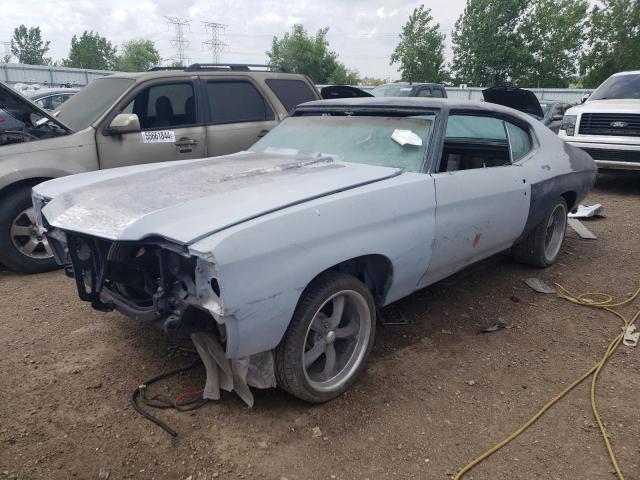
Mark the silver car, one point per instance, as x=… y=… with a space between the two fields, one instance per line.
x=288 y=249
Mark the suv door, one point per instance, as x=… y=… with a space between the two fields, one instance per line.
x=238 y=115
x=170 y=123
x=481 y=193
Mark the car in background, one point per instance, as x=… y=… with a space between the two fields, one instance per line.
x=128 y=119
x=282 y=254
x=51 y=99
x=409 y=89
x=550 y=113
x=607 y=124
x=553 y=114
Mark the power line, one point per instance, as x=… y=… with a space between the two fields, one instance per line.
x=214 y=44
x=178 y=41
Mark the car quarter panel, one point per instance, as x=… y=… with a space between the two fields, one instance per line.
x=264 y=265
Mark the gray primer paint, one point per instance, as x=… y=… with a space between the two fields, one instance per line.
x=265 y=236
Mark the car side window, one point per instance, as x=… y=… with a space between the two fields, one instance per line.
x=291 y=93
x=425 y=92
x=44 y=103
x=57 y=100
x=558 y=110
x=438 y=92
x=474 y=142
x=235 y=102
x=519 y=140
x=163 y=106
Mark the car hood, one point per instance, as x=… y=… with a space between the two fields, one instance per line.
x=607 y=106
x=516 y=98
x=189 y=200
x=21 y=108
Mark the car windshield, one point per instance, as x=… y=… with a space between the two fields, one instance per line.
x=392 y=91
x=545 y=108
x=89 y=103
x=385 y=141
x=618 y=87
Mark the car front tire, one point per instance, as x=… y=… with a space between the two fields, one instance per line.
x=542 y=246
x=22 y=248
x=328 y=340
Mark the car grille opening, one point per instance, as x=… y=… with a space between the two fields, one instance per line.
x=611 y=124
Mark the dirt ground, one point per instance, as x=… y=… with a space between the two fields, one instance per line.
x=436 y=392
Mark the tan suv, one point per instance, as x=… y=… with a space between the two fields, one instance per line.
x=128 y=119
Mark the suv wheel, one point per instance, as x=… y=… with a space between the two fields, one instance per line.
x=22 y=249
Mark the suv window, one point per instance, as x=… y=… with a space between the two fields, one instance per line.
x=438 y=92
x=291 y=93
x=166 y=105
x=425 y=92
x=236 y=101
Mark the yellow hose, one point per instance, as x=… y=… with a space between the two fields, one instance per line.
x=588 y=299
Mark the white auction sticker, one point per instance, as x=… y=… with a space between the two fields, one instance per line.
x=159 y=136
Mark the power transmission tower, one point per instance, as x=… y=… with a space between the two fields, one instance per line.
x=214 y=43
x=178 y=41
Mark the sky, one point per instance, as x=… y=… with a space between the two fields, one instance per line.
x=362 y=32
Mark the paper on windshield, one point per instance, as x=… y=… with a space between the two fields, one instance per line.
x=406 y=137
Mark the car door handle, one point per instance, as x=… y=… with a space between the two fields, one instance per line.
x=262 y=133
x=186 y=142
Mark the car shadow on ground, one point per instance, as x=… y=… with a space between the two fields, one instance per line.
x=623 y=183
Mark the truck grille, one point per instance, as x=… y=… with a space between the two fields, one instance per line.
x=614 y=155
x=614 y=124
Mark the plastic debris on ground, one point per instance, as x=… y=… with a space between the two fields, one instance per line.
x=495 y=327
x=588 y=211
x=581 y=230
x=232 y=375
x=630 y=338
x=539 y=286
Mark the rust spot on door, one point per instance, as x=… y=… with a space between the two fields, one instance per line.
x=476 y=240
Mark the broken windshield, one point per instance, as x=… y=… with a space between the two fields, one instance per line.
x=385 y=141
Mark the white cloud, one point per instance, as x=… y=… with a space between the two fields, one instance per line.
x=362 y=32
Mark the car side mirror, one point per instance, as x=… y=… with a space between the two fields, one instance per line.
x=125 y=123
x=557 y=117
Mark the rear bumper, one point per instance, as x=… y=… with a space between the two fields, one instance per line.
x=609 y=155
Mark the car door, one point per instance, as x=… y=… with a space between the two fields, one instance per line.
x=556 y=117
x=238 y=115
x=170 y=124
x=482 y=195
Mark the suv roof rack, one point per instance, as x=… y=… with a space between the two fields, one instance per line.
x=241 y=67
x=159 y=69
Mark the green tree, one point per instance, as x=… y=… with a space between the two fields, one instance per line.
x=613 y=41
x=28 y=47
x=553 y=33
x=91 y=51
x=371 y=81
x=487 y=47
x=299 y=52
x=138 y=56
x=421 y=49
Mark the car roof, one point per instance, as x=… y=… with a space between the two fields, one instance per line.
x=410 y=84
x=139 y=76
x=400 y=103
x=632 y=72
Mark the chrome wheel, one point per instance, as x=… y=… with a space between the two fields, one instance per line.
x=336 y=341
x=26 y=238
x=554 y=235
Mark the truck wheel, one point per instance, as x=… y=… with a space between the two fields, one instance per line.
x=22 y=249
x=329 y=339
x=542 y=246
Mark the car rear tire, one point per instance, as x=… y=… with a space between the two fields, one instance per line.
x=22 y=249
x=542 y=246
x=328 y=340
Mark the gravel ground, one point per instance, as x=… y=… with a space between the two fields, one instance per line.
x=436 y=392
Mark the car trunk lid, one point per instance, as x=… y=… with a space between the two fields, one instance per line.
x=516 y=98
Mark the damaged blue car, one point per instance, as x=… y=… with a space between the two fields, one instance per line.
x=284 y=253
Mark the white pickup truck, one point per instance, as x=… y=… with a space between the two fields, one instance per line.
x=607 y=125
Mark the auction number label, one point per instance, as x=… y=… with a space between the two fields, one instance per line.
x=159 y=136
